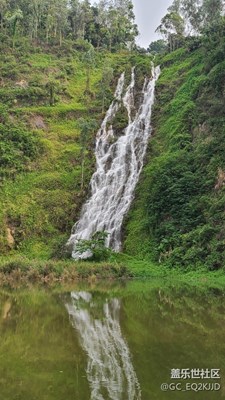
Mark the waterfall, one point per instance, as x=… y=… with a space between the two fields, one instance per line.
x=110 y=372
x=119 y=162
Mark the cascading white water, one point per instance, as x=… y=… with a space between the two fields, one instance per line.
x=110 y=372
x=118 y=166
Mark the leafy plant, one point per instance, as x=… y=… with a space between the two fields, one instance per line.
x=96 y=245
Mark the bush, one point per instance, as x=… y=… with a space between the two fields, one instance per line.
x=17 y=148
x=96 y=245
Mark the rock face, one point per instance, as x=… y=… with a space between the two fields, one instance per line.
x=38 y=122
x=220 y=179
x=119 y=161
x=22 y=84
x=9 y=237
x=6 y=309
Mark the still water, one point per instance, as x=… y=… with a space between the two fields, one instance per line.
x=111 y=342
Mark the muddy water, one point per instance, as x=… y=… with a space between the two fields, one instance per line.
x=116 y=342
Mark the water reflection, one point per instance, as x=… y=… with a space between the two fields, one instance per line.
x=110 y=372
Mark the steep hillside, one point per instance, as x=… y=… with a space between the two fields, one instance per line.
x=49 y=115
x=52 y=100
x=178 y=215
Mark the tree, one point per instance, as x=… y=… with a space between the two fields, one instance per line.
x=86 y=17
x=112 y=25
x=157 y=47
x=126 y=27
x=61 y=18
x=36 y=10
x=95 y=246
x=175 y=6
x=87 y=127
x=197 y=13
x=89 y=61
x=191 y=10
x=74 y=18
x=109 y=23
x=211 y=10
x=172 y=28
x=13 y=20
x=3 y=8
x=80 y=15
x=51 y=87
x=107 y=76
x=56 y=19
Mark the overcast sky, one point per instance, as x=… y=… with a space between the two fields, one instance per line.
x=148 y=16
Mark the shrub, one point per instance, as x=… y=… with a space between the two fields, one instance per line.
x=96 y=245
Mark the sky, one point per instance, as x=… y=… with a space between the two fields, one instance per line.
x=148 y=16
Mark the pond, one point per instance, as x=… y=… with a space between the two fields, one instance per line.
x=118 y=341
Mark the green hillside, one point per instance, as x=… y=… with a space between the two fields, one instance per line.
x=178 y=216
x=56 y=83
x=47 y=144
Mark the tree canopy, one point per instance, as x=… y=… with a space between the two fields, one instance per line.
x=187 y=18
x=108 y=23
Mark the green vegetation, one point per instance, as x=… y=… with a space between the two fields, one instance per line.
x=96 y=246
x=178 y=216
x=20 y=270
x=57 y=80
x=48 y=122
x=108 y=25
x=163 y=324
x=40 y=159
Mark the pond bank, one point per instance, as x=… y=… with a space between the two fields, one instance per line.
x=21 y=270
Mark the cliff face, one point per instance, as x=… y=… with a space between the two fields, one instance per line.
x=178 y=215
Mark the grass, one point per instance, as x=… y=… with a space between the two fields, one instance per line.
x=17 y=270
x=41 y=205
x=176 y=215
x=58 y=110
x=148 y=270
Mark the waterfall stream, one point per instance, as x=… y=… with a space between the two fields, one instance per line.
x=110 y=372
x=119 y=161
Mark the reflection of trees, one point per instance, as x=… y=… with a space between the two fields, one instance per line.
x=200 y=308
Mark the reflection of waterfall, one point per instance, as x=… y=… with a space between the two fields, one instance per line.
x=109 y=371
x=119 y=163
